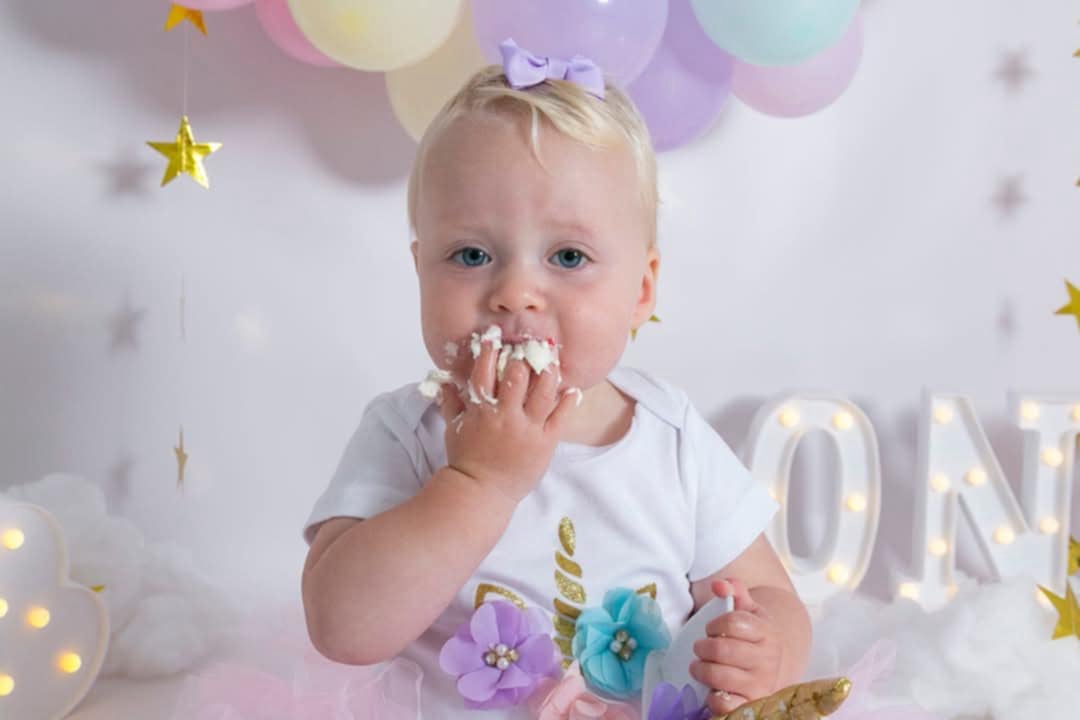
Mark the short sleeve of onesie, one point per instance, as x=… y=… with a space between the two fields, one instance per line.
x=377 y=471
x=731 y=508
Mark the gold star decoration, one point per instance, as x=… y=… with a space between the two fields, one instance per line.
x=178 y=14
x=1073 y=306
x=633 y=331
x=185 y=155
x=1074 y=556
x=1068 y=610
x=181 y=459
x=97 y=588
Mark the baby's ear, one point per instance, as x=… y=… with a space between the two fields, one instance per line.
x=647 y=298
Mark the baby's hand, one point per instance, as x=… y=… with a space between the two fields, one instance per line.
x=741 y=654
x=503 y=432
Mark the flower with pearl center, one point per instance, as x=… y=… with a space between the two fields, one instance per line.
x=499 y=655
x=611 y=642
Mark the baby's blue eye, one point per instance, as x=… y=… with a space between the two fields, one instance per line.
x=569 y=258
x=471 y=257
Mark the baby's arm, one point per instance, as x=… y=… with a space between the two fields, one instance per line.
x=371 y=587
x=765 y=643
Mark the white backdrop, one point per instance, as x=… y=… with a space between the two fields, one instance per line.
x=859 y=251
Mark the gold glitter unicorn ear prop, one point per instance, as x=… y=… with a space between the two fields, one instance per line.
x=805 y=701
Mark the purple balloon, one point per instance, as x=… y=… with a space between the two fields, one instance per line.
x=797 y=90
x=618 y=35
x=213 y=5
x=277 y=20
x=686 y=85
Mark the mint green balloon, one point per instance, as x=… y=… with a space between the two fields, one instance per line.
x=775 y=32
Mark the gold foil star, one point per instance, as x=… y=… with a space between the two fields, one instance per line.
x=181 y=459
x=1074 y=556
x=1073 y=306
x=1068 y=610
x=185 y=155
x=633 y=331
x=178 y=14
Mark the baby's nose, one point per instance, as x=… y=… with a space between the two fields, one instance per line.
x=515 y=290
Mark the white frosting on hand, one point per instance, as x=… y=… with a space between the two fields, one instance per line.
x=431 y=386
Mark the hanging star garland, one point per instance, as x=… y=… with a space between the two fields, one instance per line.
x=1073 y=306
x=185 y=155
x=633 y=331
x=1068 y=610
x=178 y=14
x=181 y=459
x=1074 y=556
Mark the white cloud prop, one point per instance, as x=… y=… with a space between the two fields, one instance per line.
x=987 y=654
x=165 y=614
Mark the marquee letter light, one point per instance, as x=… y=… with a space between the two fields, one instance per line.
x=957 y=462
x=53 y=633
x=841 y=561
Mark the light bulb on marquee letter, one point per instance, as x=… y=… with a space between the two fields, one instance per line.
x=842 y=560
x=1029 y=539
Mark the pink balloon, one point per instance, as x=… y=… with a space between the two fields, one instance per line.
x=213 y=5
x=277 y=21
x=797 y=90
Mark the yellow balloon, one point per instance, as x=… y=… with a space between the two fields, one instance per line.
x=418 y=92
x=376 y=35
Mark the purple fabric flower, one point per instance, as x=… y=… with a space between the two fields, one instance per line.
x=669 y=704
x=499 y=655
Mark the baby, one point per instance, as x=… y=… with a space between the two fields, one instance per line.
x=520 y=523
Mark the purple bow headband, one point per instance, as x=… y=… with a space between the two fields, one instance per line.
x=523 y=69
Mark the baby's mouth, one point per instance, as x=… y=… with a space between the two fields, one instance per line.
x=539 y=354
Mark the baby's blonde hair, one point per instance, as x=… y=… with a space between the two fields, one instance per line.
x=568 y=107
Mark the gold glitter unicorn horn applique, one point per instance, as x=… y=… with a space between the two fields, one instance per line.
x=805 y=701
x=568 y=578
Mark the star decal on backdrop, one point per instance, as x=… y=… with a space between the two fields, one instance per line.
x=1010 y=195
x=185 y=155
x=1074 y=556
x=1073 y=306
x=178 y=14
x=634 y=331
x=124 y=327
x=1068 y=610
x=181 y=459
x=1014 y=72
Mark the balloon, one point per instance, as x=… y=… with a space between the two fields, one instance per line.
x=277 y=21
x=213 y=5
x=687 y=83
x=801 y=89
x=775 y=32
x=419 y=91
x=376 y=34
x=618 y=35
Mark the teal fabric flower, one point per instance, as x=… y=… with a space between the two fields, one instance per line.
x=611 y=642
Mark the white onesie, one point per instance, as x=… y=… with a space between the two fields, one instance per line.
x=666 y=504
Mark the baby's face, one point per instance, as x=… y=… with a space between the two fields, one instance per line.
x=560 y=253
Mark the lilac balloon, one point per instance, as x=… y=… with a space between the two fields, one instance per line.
x=277 y=20
x=797 y=90
x=687 y=83
x=618 y=35
x=213 y=5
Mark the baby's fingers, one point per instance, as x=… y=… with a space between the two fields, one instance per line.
x=450 y=405
x=568 y=402
x=542 y=398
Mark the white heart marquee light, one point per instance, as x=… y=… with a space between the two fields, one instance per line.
x=957 y=469
x=53 y=632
